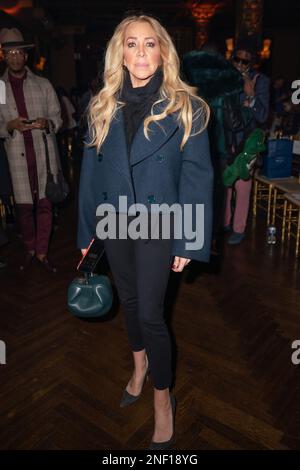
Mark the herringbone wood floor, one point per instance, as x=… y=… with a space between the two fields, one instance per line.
x=235 y=384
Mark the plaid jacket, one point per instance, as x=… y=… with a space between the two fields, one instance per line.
x=41 y=101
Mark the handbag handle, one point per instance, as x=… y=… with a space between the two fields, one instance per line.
x=47 y=154
x=87 y=276
x=87 y=264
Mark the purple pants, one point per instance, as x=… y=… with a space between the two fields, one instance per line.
x=242 y=199
x=35 y=219
x=35 y=224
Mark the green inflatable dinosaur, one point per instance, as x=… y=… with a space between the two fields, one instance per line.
x=240 y=168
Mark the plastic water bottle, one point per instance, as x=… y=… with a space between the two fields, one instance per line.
x=271 y=237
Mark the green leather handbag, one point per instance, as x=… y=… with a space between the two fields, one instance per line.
x=91 y=296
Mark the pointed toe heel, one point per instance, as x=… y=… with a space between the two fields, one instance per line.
x=128 y=399
x=166 y=444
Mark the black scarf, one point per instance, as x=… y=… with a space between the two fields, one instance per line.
x=138 y=102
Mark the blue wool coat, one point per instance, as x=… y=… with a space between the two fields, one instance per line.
x=155 y=172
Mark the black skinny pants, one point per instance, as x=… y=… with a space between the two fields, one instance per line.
x=141 y=269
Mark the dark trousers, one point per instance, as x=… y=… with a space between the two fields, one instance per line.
x=141 y=270
x=36 y=223
x=35 y=219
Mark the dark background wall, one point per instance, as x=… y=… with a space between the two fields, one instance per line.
x=72 y=34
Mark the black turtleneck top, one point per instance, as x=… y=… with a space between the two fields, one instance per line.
x=138 y=102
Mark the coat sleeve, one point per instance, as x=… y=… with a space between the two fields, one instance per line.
x=262 y=99
x=3 y=131
x=53 y=107
x=87 y=198
x=195 y=188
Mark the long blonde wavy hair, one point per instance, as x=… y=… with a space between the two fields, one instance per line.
x=176 y=93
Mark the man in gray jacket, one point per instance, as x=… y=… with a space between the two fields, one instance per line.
x=31 y=110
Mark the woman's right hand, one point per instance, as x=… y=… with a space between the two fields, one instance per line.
x=83 y=251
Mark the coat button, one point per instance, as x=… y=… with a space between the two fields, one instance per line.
x=160 y=158
x=100 y=156
x=22 y=154
x=151 y=198
x=104 y=194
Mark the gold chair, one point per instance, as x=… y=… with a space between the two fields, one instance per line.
x=280 y=188
x=291 y=219
x=262 y=195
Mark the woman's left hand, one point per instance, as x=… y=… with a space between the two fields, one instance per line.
x=179 y=263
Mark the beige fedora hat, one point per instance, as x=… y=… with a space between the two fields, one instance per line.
x=10 y=38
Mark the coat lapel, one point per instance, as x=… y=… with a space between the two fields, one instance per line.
x=159 y=133
x=115 y=144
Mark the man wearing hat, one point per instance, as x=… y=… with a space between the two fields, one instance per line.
x=31 y=109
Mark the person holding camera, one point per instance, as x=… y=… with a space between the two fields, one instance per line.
x=31 y=109
x=254 y=108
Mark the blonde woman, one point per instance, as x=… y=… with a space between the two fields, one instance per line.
x=148 y=142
